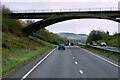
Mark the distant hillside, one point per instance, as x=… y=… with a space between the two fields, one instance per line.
x=73 y=34
x=73 y=37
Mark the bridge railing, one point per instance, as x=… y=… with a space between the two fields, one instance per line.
x=66 y=10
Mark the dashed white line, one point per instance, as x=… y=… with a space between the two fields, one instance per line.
x=69 y=51
x=73 y=58
x=81 y=71
x=102 y=58
x=76 y=63
x=36 y=65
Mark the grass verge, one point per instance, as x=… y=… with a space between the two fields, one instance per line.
x=16 y=50
x=18 y=57
x=107 y=54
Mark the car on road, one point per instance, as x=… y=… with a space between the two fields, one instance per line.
x=88 y=44
x=103 y=44
x=94 y=44
x=72 y=44
x=61 y=46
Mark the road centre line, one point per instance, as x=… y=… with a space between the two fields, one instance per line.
x=73 y=58
x=69 y=51
x=81 y=71
x=37 y=65
x=101 y=58
x=76 y=63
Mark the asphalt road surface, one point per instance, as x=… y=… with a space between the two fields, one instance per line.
x=74 y=62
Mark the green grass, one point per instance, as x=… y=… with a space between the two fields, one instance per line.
x=17 y=57
x=0 y=55
x=111 y=55
x=21 y=50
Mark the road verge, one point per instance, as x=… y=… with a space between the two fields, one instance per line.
x=22 y=69
x=108 y=54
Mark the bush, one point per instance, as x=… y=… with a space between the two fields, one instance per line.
x=10 y=25
x=47 y=36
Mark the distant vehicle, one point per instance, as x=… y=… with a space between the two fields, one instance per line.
x=66 y=44
x=94 y=44
x=61 y=46
x=92 y=41
x=72 y=44
x=88 y=44
x=103 y=44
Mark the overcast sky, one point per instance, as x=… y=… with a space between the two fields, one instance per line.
x=79 y=26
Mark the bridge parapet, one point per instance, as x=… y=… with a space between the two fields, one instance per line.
x=67 y=10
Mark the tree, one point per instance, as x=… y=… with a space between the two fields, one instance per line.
x=95 y=35
x=44 y=34
x=10 y=25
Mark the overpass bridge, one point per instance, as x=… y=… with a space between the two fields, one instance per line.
x=50 y=17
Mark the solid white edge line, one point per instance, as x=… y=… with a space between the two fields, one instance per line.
x=37 y=65
x=102 y=58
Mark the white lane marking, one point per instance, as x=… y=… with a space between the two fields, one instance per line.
x=102 y=58
x=37 y=65
x=70 y=51
x=73 y=58
x=81 y=71
x=76 y=63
